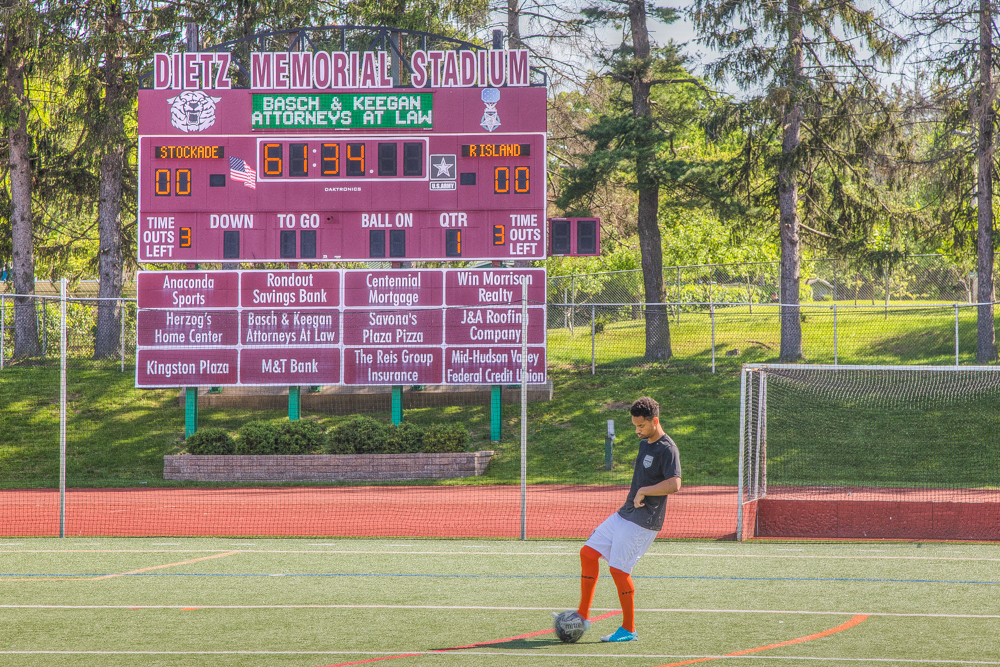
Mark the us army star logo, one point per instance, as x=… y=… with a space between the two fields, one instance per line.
x=445 y=167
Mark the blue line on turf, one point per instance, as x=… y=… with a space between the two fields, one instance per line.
x=499 y=576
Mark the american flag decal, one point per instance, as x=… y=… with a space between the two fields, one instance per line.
x=241 y=171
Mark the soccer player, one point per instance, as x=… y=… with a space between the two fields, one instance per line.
x=626 y=535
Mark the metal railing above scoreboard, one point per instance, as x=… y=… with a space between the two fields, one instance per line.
x=396 y=42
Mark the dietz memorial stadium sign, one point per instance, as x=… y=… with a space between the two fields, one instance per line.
x=323 y=159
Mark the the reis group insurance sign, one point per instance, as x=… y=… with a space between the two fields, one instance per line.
x=323 y=159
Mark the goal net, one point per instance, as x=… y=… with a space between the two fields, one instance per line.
x=903 y=452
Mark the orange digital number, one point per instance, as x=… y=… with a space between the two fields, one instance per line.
x=272 y=159
x=183 y=182
x=521 y=180
x=501 y=180
x=499 y=237
x=162 y=182
x=331 y=159
x=185 y=237
x=355 y=159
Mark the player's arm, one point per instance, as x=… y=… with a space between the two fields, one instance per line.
x=664 y=488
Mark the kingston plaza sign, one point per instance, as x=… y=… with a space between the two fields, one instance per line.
x=342 y=70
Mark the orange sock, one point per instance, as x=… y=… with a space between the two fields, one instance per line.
x=626 y=595
x=590 y=570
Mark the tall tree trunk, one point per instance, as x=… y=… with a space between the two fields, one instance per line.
x=109 y=206
x=986 y=346
x=788 y=196
x=650 y=245
x=23 y=266
x=514 y=25
x=110 y=257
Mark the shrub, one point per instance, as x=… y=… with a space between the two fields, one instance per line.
x=405 y=438
x=442 y=438
x=300 y=437
x=359 y=435
x=258 y=437
x=210 y=441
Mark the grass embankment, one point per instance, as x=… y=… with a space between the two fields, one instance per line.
x=117 y=435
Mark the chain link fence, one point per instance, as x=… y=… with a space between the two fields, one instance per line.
x=918 y=310
x=915 y=278
x=708 y=336
x=116 y=437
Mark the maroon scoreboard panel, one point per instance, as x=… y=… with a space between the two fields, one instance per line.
x=339 y=326
x=317 y=175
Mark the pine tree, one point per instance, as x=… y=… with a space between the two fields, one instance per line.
x=636 y=140
x=957 y=44
x=796 y=63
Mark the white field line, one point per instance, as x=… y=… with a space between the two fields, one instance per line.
x=532 y=655
x=499 y=553
x=788 y=612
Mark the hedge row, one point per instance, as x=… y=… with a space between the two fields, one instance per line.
x=357 y=435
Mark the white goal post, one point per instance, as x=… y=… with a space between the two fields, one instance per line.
x=886 y=432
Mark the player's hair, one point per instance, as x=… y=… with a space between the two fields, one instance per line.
x=645 y=407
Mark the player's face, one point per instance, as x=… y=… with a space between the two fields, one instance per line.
x=645 y=428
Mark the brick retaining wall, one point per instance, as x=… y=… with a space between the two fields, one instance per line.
x=324 y=467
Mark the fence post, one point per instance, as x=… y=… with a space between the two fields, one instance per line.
x=956 y=334
x=121 y=337
x=62 y=408
x=593 y=332
x=524 y=409
x=45 y=328
x=887 y=292
x=834 y=334
x=572 y=304
x=3 y=322
x=711 y=312
x=678 y=295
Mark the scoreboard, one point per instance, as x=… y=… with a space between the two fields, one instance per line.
x=314 y=175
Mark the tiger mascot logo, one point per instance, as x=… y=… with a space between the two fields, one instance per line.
x=192 y=111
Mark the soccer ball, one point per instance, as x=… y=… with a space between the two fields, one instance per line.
x=569 y=626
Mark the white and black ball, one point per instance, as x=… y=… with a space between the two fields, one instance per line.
x=569 y=626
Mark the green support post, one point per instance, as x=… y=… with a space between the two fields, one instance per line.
x=496 y=413
x=397 y=405
x=294 y=403
x=190 y=411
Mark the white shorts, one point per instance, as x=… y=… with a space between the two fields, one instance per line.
x=621 y=542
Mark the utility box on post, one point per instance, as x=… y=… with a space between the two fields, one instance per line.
x=575 y=237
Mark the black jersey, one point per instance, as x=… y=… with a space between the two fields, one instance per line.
x=656 y=462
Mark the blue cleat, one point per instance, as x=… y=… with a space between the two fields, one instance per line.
x=620 y=635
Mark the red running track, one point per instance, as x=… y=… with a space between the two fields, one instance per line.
x=707 y=512
x=704 y=512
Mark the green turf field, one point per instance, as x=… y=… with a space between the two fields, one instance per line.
x=312 y=602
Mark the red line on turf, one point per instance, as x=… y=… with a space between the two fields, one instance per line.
x=388 y=657
x=458 y=648
x=799 y=640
